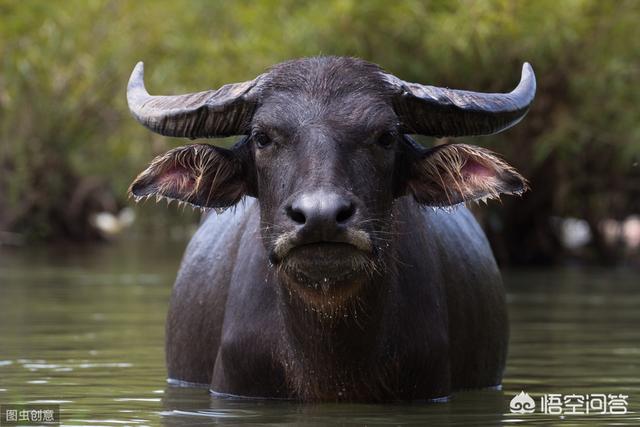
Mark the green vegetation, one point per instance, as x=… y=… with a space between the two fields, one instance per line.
x=68 y=146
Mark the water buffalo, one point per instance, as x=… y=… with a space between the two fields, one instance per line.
x=331 y=278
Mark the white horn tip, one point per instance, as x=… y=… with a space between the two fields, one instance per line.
x=527 y=72
x=138 y=70
x=137 y=75
x=135 y=88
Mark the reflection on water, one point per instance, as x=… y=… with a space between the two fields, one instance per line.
x=84 y=329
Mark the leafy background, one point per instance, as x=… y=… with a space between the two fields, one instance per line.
x=69 y=148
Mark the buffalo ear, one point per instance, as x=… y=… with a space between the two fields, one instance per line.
x=200 y=174
x=455 y=173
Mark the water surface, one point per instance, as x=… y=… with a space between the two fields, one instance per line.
x=83 y=327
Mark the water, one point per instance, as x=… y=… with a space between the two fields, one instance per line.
x=84 y=328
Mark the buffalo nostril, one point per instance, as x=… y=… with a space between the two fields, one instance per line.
x=296 y=215
x=320 y=212
x=345 y=213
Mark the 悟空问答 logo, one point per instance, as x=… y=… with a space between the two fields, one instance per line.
x=522 y=403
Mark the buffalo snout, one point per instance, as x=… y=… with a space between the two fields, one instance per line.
x=324 y=220
x=321 y=215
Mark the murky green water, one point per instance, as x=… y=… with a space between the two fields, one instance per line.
x=84 y=328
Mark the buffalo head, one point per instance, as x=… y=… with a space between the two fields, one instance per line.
x=326 y=152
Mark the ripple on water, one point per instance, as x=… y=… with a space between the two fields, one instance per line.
x=96 y=348
x=60 y=367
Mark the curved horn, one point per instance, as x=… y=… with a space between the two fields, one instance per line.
x=223 y=112
x=440 y=112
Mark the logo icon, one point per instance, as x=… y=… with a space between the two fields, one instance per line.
x=522 y=403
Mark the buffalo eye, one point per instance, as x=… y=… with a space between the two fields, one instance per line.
x=385 y=140
x=261 y=139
